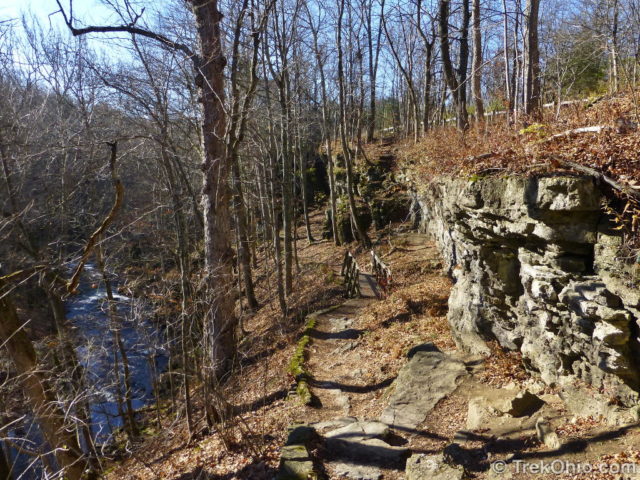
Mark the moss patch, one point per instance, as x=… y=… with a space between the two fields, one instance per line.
x=297 y=366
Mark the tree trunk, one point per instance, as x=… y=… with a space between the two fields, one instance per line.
x=476 y=66
x=428 y=79
x=463 y=59
x=532 y=61
x=305 y=200
x=412 y=107
x=119 y=349
x=362 y=234
x=271 y=185
x=614 y=46
x=286 y=180
x=39 y=393
x=5 y=468
x=458 y=90
x=428 y=74
x=326 y=130
x=516 y=74
x=374 y=53
x=178 y=219
x=73 y=369
x=507 y=76
x=220 y=322
x=244 y=252
x=276 y=214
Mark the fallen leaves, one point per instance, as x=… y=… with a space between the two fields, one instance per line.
x=503 y=367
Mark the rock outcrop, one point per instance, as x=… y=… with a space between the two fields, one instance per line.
x=535 y=265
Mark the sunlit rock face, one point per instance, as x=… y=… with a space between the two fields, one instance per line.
x=537 y=267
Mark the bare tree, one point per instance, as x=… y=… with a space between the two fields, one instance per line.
x=476 y=66
x=532 y=60
x=209 y=65
x=455 y=78
x=51 y=417
x=346 y=151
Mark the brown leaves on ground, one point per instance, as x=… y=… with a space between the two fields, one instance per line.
x=411 y=315
x=579 y=426
x=247 y=446
x=503 y=367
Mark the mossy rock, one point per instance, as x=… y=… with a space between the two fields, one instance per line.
x=295 y=464
x=343 y=221
x=389 y=210
x=297 y=366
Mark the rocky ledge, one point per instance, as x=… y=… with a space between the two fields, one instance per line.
x=536 y=267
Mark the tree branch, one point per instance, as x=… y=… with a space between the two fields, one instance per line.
x=133 y=30
x=75 y=279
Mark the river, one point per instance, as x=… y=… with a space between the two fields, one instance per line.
x=87 y=313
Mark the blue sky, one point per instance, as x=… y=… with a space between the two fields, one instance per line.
x=88 y=10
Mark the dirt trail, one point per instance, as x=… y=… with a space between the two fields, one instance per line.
x=334 y=378
x=367 y=353
x=349 y=384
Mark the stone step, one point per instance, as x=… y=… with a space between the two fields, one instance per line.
x=426 y=379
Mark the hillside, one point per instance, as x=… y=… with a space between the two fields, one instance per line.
x=357 y=351
x=300 y=239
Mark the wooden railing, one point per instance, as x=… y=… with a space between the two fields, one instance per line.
x=382 y=273
x=351 y=273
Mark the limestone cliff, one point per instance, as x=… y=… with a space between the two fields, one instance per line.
x=535 y=265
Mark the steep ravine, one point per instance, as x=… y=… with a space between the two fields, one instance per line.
x=535 y=265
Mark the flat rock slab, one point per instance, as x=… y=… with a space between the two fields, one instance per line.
x=432 y=467
x=295 y=463
x=334 y=423
x=359 y=430
x=340 y=324
x=429 y=376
